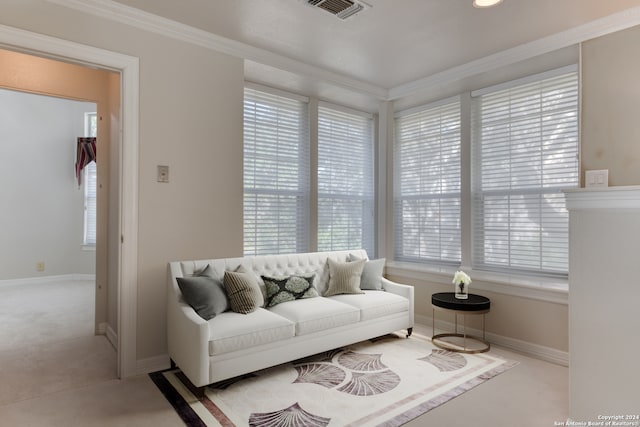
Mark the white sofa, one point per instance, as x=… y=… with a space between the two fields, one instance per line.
x=232 y=344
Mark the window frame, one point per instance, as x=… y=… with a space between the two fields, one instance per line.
x=448 y=141
x=90 y=186
x=552 y=238
x=301 y=194
x=346 y=125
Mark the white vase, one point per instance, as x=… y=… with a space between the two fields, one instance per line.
x=462 y=291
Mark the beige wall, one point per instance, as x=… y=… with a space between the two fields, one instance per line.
x=43 y=76
x=611 y=106
x=191 y=120
x=533 y=321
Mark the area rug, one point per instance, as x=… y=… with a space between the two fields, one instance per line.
x=383 y=382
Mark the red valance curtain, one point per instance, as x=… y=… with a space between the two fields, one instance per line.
x=85 y=154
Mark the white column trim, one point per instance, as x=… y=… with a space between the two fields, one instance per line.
x=623 y=197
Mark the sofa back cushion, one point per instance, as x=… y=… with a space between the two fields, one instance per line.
x=276 y=266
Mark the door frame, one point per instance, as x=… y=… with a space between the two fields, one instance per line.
x=128 y=66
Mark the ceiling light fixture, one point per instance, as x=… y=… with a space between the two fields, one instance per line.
x=486 y=3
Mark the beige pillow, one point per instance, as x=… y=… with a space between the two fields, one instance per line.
x=243 y=291
x=344 y=277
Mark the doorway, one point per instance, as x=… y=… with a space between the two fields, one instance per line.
x=125 y=225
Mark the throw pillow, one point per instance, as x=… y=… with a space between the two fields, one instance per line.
x=371 y=274
x=243 y=291
x=344 y=277
x=205 y=294
x=288 y=289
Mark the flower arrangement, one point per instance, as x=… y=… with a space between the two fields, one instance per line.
x=461 y=280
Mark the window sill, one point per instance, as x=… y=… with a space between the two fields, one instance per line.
x=89 y=248
x=538 y=288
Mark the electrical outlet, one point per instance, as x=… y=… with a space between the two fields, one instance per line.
x=596 y=178
x=40 y=266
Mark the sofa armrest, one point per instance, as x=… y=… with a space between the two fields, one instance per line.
x=187 y=335
x=402 y=290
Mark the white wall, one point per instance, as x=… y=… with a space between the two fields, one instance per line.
x=42 y=206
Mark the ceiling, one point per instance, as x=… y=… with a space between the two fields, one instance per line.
x=387 y=46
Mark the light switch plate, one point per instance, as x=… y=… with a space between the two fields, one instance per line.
x=163 y=173
x=597 y=178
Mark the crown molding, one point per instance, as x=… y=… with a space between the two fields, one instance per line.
x=599 y=27
x=114 y=11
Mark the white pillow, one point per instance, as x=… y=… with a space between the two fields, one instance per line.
x=344 y=277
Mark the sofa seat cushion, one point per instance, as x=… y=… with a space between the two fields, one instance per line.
x=317 y=314
x=374 y=304
x=230 y=331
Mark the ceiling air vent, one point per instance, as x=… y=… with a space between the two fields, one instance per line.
x=343 y=9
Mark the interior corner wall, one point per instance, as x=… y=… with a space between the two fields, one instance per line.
x=190 y=119
x=42 y=213
x=611 y=106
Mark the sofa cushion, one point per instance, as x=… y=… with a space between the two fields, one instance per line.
x=205 y=294
x=374 y=304
x=317 y=314
x=371 y=273
x=232 y=331
x=243 y=290
x=279 y=290
x=344 y=277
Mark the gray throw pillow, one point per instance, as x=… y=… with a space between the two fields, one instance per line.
x=205 y=294
x=243 y=290
x=344 y=277
x=288 y=289
x=371 y=274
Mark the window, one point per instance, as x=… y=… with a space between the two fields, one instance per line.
x=525 y=152
x=276 y=173
x=345 y=179
x=427 y=184
x=90 y=180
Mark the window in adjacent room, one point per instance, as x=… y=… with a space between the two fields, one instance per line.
x=345 y=179
x=525 y=153
x=276 y=172
x=427 y=184
x=90 y=181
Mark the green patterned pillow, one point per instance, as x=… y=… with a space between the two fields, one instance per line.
x=288 y=289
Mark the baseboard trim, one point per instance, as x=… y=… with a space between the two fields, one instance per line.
x=48 y=279
x=112 y=336
x=537 y=351
x=153 y=364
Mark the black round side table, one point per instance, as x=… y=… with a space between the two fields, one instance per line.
x=475 y=304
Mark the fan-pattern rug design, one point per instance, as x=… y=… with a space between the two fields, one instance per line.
x=387 y=381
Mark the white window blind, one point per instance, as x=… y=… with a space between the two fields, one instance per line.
x=525 y=151
x=427 y=184
x=90 y=180
x=276 y=173
x=345 y=180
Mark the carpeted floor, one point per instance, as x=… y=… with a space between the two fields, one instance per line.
x=387 y=381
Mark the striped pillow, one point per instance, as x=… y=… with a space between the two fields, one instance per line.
x=344 y=277
x=243 y=291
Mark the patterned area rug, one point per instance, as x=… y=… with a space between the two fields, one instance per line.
x=387 y=381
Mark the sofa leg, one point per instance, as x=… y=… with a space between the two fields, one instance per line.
x=198 y=392
x=409 y=331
